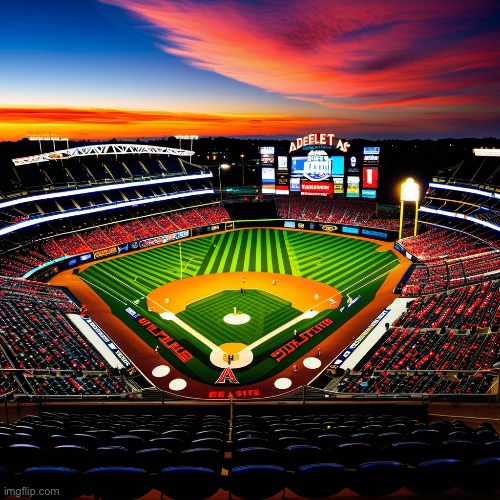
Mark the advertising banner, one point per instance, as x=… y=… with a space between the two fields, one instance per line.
x=310 y=188
x=352 y=186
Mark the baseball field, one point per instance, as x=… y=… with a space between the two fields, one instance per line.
x=244 y=304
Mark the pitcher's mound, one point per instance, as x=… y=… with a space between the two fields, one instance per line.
x=237 y=318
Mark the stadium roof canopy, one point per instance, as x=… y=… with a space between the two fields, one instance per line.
x=101 y=149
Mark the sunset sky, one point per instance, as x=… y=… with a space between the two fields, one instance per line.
x=375 y=69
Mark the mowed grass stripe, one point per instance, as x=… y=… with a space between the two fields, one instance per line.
x=122 y=271
x=369 y=266
x=274 y=252
x=109 y=285
x=238 y=258
x=267 y=253
x=335 y=262
x=347 y=266
x=231 y=255
x=255 y=260
x=281 y=255
x=360 y=268
x=323 y=247
x=310 y=256
x=225 y=253
x=247 y=245
x=257 y=251
x=212 y=257
x=291 y=254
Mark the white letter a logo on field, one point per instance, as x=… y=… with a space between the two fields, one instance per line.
x=227 y=376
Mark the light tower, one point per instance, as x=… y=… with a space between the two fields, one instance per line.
x=46 y=136
x=188 y=138
x=410 y=191
x=224 y=166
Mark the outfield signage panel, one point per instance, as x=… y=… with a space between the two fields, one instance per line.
x=105 y=252
x=350 y=230
x=164 y=238
x=328 y=228
x=310 y=188
x=352 y=186
x=369 y=193
x=268 y=180
x=347 y=352
x=381 y=235
x=370 y=177
x=283 y=163
x=338 y=185
x=294 y=185
x=354 y=164
x=282 y=183
x=108 y=342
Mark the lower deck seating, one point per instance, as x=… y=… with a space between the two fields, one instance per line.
x=370 y=454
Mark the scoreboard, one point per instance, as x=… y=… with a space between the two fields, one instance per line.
x=326 y=167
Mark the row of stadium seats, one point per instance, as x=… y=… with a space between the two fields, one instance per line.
x=440 y=276
x=313 y=456
x=41 y=350
x=460 y=308
x=339 y=211
x=320 y=480
x=437 y=243
x=21 y=261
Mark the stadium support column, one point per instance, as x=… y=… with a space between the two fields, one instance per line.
x=409 y=192
x=415 y=224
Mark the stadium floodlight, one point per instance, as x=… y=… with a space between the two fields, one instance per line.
x=224 y=166
x=47 y=136
x=188 y=138
x=486 y=151
x=410 y=191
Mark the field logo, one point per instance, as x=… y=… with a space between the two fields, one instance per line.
x=318 y=166
x=227 y=376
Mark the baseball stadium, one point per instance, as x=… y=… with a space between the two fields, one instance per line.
x=145 y=307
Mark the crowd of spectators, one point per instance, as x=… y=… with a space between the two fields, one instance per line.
x=437 y=276
x=21 y=261
x=42 y=351
x=442 y=343
x=440 y=243
x=460 y=308
x=340 y=211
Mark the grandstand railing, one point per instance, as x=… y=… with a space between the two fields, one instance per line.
x=302 y=394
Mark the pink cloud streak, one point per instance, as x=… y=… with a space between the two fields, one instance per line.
x=371 y=54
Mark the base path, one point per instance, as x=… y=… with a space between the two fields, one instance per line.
x=303 y=293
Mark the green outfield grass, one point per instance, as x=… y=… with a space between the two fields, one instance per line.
x=350 y=265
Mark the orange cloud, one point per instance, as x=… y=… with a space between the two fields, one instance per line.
x=82 y=123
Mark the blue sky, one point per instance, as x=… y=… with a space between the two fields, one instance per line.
x=150 y=68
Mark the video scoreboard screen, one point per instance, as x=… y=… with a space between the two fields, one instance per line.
x=322 y=170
